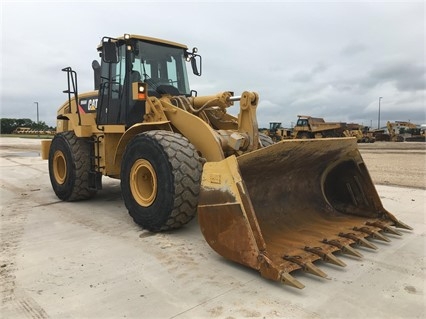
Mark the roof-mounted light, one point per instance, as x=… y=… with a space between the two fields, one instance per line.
x=126 y=36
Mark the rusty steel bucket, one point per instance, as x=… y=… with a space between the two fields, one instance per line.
x=283 y=207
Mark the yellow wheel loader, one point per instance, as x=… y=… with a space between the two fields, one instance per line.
x=276 y=208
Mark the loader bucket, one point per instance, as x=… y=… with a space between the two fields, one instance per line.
x=286 y=206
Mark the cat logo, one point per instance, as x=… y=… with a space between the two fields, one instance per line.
x=93 y=104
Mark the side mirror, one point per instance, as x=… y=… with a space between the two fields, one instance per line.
x=97 y=74
x=109 y=52
x=195 y=60
x=196 y=64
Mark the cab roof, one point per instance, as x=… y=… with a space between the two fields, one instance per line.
x=150 y=39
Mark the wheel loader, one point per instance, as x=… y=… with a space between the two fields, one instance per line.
x=274 y=207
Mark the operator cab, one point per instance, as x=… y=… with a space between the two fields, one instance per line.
x=302 y=122
x=158 y=63
x=274 y=126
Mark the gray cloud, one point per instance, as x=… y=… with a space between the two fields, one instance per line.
x=325 y=59
x=352 y=49
x=406 y=75
x=307 y=76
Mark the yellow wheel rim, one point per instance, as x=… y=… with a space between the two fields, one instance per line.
x=59 y=167
x=143 y=182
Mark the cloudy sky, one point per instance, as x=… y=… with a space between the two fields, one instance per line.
x=322 y=58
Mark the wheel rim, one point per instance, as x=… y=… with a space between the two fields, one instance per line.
x=59 y=167
x=143 y=182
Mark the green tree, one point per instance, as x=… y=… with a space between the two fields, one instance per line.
x=7 y=125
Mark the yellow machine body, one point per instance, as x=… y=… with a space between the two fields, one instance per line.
x=274 y=207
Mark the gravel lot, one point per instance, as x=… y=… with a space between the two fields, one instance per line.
x=89 y=260
x=392 y=163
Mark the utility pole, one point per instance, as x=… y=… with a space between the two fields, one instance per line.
x=378 y=122
x=37 y=113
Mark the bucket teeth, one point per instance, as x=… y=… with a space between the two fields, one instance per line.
x=289 y=280
x=400 y=224
x=373 y=233
x=390 y=230
x=359 y=241
x=306 y=266
x=384 y=227
x=327 y=257
x=346 y=249
x=312 y=269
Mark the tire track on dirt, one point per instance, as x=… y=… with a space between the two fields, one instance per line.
x=17 y=163
x=14 y=212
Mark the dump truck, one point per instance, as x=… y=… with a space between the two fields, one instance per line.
x=317 y=127
x=274 y=207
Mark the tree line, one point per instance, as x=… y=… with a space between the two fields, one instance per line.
x=8 y=125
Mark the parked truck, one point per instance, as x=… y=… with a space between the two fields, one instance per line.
x=316 y=127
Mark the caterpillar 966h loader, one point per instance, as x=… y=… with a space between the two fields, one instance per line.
x=276 y=208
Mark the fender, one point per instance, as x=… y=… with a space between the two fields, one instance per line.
x=133 y=131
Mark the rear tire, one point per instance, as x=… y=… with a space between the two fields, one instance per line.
x=160 y=180
x=69 y=166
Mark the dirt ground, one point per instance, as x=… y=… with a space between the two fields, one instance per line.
x=89 y=259
x=392 y=163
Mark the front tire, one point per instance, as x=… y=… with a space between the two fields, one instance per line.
x=160 y=180
x=69 y=167
x=303 y=135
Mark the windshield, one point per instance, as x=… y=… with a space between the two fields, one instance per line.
x=161 y=65
x=302 y=122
